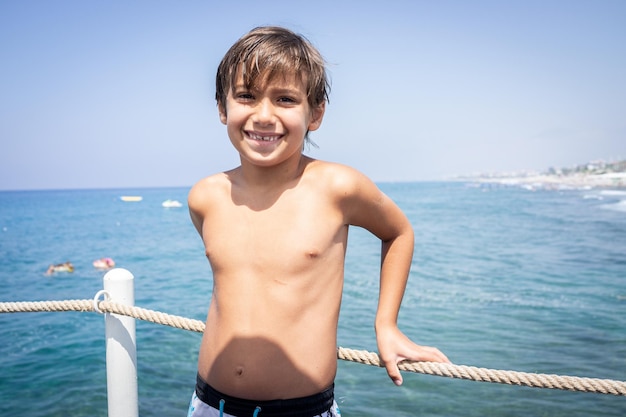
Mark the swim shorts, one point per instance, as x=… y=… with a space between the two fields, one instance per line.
x=208 y=402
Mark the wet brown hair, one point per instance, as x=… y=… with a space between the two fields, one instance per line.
x=269 y=51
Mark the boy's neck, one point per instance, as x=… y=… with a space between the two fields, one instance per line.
x=273 y=177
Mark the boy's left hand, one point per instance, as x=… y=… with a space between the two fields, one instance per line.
x=394 y=347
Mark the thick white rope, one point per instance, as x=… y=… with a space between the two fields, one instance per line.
x=570 y=383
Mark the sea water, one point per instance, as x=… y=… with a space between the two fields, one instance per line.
x=503 y=278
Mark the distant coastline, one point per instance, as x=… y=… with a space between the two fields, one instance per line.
x=596 y=174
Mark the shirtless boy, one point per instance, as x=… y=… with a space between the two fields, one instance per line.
x=275 y=231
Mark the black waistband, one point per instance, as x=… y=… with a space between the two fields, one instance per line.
x=310 y=406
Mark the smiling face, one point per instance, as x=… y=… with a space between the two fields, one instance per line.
x=268 y=121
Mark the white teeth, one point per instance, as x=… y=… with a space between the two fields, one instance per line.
x=263 y=138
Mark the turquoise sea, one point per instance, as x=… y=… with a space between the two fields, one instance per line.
x=503 y=278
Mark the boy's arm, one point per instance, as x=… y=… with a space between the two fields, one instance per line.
x=201 y=199
x=393 y=345
x=194 y=201
x=369 y=208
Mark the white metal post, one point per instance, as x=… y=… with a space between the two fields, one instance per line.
x=121 y=348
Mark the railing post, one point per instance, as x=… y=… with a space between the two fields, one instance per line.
x=121 y=348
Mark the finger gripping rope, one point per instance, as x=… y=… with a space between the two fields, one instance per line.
x=570 y=383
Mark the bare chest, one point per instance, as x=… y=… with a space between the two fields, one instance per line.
x=284 y=238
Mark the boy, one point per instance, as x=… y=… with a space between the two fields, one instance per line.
x=275 y=231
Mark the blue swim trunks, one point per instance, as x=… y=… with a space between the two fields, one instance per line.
x=208 y=402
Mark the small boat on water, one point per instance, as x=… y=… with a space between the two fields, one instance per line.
x=131 y=198
x=171 y=203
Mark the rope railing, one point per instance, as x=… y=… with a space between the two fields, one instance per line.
x=569 y=383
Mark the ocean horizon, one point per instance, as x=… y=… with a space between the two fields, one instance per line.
x=503 y=277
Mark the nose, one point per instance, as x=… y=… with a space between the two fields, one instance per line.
x=265 y=112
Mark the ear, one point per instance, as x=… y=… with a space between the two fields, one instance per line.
x=317 y=114
x=222 y=111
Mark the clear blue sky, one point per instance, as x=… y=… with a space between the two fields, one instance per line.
x=107 y=94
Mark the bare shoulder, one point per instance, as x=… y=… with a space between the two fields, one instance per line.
x=339 y=179
x=205 y=190
x=352 y=189
x=359 y=198
x=206 y=194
